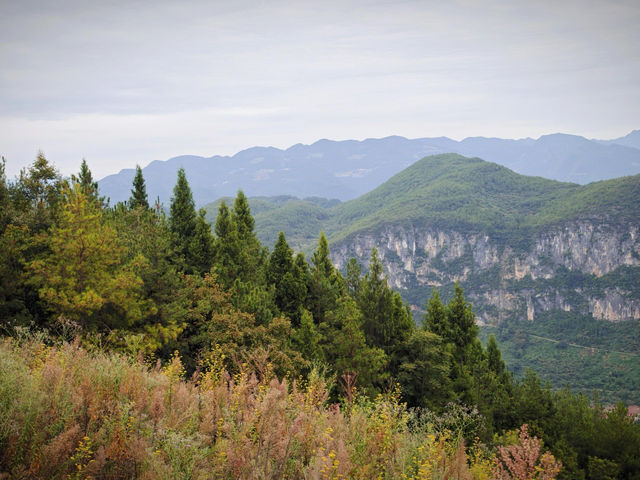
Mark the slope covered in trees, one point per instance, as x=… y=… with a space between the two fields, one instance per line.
x=247 y=340
x=538 y=258
x=452 y=190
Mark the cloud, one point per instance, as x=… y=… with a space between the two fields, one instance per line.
x=124 y=82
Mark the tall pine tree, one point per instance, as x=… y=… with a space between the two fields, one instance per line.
x=85 y=179
x=201 y=247
x=227 y=247
x=138 y=197
x=326 y=285
x=387 y=321
x=82 y=276
x=290 y=286
x=182 y=219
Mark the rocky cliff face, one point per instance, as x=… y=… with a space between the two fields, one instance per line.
x=570 y=267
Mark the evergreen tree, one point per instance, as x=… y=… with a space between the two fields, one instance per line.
x=455 y=324
x=494 y=357
x=243 y=218
x=182 y=219
x=354 y=272
x=182 y=211
x=201 y=248
x=82 y=277
x=280 y=260
x=227 y=247
x=290 y=286
x=144 y=233
x=307 y=339
x=138 y=197
x=29 y=207
x=320 y=259
x=5 y=203
x=435 y=319
x=344 y=343
x=387 y=322
x=37 y=194
x=461 y=324
x=423 y=370
x=326 y=285
x=252 y=257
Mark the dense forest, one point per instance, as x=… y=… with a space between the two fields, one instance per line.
x=140 y=342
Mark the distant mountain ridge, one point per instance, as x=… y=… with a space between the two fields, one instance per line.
x=347 y=169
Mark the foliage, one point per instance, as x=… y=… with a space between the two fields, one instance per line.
x=82 y=277
x=524 y=462
x=268 y=342
x=68 y=413
x=139 y=192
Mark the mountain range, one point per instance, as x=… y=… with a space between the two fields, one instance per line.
x=347 y=169
x=552 y=268
x=551 y=265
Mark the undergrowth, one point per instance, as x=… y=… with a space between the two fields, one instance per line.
x=72 y=414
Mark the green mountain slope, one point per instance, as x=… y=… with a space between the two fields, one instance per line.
x=540 y=259
x=470 y=194
x=447 y=191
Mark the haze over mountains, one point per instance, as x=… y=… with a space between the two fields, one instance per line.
x=347 y=169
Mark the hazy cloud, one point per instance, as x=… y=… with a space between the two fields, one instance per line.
x=126 y=82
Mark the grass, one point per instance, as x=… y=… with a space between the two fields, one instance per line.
x=71 y=413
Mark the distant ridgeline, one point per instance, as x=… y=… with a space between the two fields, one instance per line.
x=552 y=268
x=347 y=169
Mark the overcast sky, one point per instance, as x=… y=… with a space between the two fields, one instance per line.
x=128 y=82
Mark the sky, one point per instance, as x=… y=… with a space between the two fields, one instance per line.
x=121 y=83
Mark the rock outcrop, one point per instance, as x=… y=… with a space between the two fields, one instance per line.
x=569 y=267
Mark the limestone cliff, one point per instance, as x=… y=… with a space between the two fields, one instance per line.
x=570 y=266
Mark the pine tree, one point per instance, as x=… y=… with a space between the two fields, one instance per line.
x=37 y=194
x=227 y=247
x=243 y=218
x=344 y=342
x=320 y=259
x=435 y=319
x=494 y=357
x=5 y=207
x=182 y=217
x=138 y=197
x=461 y=323
x=387 y=322
x=354 y=272
x=326 y=285
x=82 y=277
x=306 y=338
x=85 y=179
x=201 y=247
x=280 y=260
x=423 y=370
x=251 y=257
x=146 y=233
x=290 y=285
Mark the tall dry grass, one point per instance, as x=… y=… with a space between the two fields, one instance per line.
x=68 y=413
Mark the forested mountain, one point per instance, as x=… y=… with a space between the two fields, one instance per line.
x=143 y=343
x=347 y=169
x=547 y=264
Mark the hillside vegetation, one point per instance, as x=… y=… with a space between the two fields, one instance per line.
x=141 y=345
x=450 y=190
